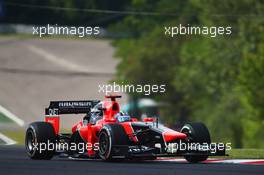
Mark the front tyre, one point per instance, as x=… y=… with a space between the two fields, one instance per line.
x=197 y=133
x=40 y=135
x=111 y=138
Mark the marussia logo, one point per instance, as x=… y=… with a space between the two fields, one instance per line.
x=74 y=104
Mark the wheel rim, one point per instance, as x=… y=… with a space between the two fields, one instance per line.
x=188 y=133
x=30 y=140
x=103 y=143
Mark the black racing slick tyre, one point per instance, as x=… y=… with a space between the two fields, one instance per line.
x=40 y=141
x=197 y=133
x=112 y=140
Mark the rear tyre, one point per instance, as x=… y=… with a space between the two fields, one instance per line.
x=111 y=135
x=37 y=134
x=197 y=133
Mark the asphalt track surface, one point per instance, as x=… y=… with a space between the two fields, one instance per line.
x=34 y=71
x=13 y=160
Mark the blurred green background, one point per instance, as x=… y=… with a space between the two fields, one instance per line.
x=219 y=81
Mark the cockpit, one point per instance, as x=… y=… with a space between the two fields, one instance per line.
x=96 y=113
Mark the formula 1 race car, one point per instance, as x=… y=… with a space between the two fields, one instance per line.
x=110 y=134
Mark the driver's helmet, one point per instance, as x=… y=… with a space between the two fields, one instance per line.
x=121 y=113
x=95 y=110
x=122 y=116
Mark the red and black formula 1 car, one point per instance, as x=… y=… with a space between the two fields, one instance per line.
x=111 y=134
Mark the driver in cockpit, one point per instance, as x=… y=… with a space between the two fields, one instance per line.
x=94 y=115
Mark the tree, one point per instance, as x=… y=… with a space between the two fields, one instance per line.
x=216 y=80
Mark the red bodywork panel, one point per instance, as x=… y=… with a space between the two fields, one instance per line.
x=55 y=121
x=173 y=135
x=129 y=130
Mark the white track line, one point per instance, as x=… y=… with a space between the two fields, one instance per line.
x=229 y=161
x=56 y=60
x=7 y=140
x=241 y=160
x=11 y=116
x=209 y=161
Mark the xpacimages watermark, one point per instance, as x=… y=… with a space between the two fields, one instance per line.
x=146 y=89
x=212 y=31
x=80 y=31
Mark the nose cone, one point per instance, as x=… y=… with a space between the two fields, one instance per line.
x=173 y=135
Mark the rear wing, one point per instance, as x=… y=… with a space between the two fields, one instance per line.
x=70 y=107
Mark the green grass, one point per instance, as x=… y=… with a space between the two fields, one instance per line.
x=246 y=154
x=4 y=119
x=15 y=35
x=18 y=136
